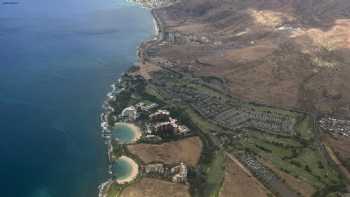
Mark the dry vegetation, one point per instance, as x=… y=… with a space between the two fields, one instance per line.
x=285 y=53
x=186 y=150
x=239 y=182
x=145 y=69
x=269 y=18
x=340 y=144
x=289 y=53
x=338 y=149
x=148 y=187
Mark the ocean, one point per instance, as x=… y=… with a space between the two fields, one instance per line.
x=57 y=60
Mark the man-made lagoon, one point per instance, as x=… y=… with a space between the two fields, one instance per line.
x=124 y=170
x=126 y=132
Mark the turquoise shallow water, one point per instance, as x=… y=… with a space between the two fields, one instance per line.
x=123 y=133
x=121 y=169
x=57 y=60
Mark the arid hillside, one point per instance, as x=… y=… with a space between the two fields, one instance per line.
x=148 y=187
x=185 y=150
x=289 y=53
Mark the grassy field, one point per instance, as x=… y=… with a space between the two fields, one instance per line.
x=151 y=90
x=215 y=172
x=305 y=128
x=259 y=145
x=298 y=185
x=114 y=190
x=276 y=139
x=201 y=123
x=288 y=155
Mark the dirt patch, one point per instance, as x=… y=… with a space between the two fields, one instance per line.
x=251 y=53
x=338 y=149
x=239 y=182
x=187 y=150
x=269 y=18
x=336 y=37
x=148 y=187
x=340 y=144
x=145 y=70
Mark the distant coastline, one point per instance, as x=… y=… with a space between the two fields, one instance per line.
x=10 y=3
x=103 y=187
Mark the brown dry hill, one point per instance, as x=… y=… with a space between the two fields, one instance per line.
x=186 y=150
x=289 y=53
x=148 y=187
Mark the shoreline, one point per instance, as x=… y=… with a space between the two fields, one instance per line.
x=134 y=170
x=157 y=37
x=137 y=134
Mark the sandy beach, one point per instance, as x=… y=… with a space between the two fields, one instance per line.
x=137 y=134
x=134 y=171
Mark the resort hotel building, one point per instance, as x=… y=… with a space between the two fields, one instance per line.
x=130 y=113
x=181 y=173
x=160 y=116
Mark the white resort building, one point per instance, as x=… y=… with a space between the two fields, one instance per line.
x=181 y=173
x=130 y=113
x=170 y=127
x=160 y=115
x=146 y=107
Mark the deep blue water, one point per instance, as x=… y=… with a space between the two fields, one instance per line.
x=57 y=59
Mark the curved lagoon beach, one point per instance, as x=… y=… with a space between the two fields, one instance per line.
x=57 y=60
x=125 y=170
x=126 y=132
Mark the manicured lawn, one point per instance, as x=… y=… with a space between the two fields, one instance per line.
x=151 y=90
x=304 y=163
x=200 y=122
x=305 y=128
x=296 y=171
x=275 y=139
x=114 y=190
x=324 y=173
x=215 y=174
